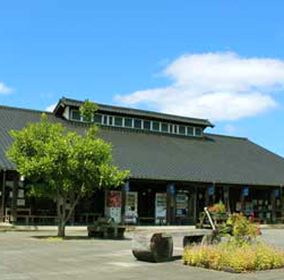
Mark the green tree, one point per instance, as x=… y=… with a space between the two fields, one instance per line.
x=62 y=164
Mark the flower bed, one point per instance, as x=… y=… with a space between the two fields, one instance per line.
x=235 y=256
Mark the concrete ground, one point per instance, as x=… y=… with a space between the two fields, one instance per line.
x=25 y=255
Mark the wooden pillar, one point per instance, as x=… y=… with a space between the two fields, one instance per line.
x=171 y=203
x=243 y=198
x=226 y=191
x=14 y=200
x=207 y=198
x=195 y=205
x=214 y=195
x=210 y=195
x=273 y=204
x=3 y=191
x=282 y=201
x=124 y=190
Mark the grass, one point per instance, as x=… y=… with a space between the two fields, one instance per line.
x=235 y=256
x=53 y=239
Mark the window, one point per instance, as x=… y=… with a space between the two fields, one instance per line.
x=182 y=129
x=175 y=129
x=190 y=131
x=110 y=120
x=165 y=127
x=198 y=131
x=105 y=119
x=118 y=121
x=147 y=125
x=128 y=122
x=137 y=123
x=156 y=126
x=98 y=118
x=75 y=115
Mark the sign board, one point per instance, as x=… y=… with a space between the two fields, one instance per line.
x=126 y=187
x=21 y=202
x=246 y=191
x=181 y=205
x=113 y=205
x=160 y=208
x=172 y=189
x=277 y=193
x=211 y=190
x=131 y=207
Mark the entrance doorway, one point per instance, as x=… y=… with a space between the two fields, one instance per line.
x=146 y=207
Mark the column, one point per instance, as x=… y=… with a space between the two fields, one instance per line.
x=282 y=201
x=171 y=203
x=3 y=193
x=194 y=205
x=124 y=190
x=14 y=199
x=273 y=205
x=226 y=191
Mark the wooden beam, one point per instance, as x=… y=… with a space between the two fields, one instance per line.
x=124 y=190
x=171 y=189
x=3 y=196
x=14 y=199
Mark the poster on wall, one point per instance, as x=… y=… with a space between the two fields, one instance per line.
x=161 y=208
x=113 y=205
x=181 y=205
x=131 y=207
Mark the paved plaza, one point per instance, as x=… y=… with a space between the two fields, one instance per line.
x=25 y=255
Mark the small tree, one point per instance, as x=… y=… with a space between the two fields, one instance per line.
x=61 y=164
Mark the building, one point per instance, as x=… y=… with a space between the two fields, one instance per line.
x=176 y=169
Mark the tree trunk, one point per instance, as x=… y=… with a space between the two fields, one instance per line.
x=61 y=213
x=61 y=229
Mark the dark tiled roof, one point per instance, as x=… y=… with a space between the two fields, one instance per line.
x=137 y=113
x=167 y=157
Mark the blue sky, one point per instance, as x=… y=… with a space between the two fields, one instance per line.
x=222 y=60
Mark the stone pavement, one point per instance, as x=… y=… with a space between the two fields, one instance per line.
x=24 y=255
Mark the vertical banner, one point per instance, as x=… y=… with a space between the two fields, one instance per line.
x=126 y=187
x=245 y=191
x=211 y=190
x=172 y=189
x=113 y=205
x=277 y=193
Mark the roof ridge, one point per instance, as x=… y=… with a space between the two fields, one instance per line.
x=138 y=110
x=24 y=109
x=226 y=136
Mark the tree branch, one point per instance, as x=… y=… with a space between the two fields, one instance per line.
x=72 y=209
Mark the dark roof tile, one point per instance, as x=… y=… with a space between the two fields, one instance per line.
x=215 y=158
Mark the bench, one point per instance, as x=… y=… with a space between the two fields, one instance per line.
x=106 y=228
x=157 y=245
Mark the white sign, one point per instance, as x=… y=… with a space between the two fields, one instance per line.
x=161 y=208
x=131 y=208
x=21 y=202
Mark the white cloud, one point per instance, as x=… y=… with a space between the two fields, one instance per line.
x=50 y=108
x=230 y=128
x=217 y=86
x=4 y=89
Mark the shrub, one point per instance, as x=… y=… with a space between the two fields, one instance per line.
x=234 y=256
x=243 y=227
x=218 y=208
